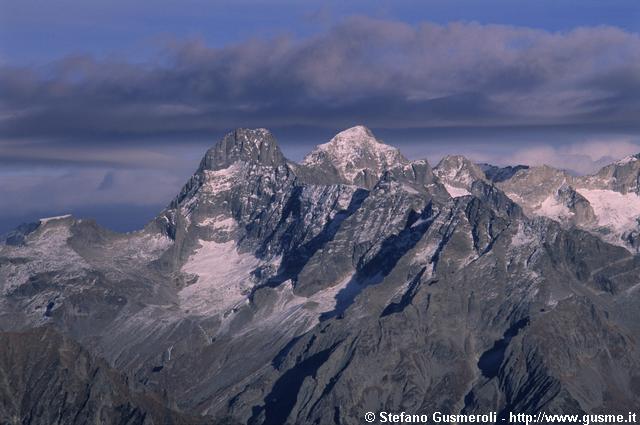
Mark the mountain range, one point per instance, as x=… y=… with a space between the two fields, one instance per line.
x=275 y=292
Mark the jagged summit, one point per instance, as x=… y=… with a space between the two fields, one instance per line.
x=249 y=145
x=356 y=155
x=458 y=173
x=460 y=169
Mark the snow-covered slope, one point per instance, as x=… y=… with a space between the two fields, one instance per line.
x=617 y=213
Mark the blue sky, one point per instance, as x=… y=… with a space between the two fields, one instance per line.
x=36 y=31
x=119 y=100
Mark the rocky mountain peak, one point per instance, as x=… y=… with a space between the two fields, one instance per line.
x=355 y=133
x=356 y=155
x=460 y=168
x=248 y=145
x=458 y=173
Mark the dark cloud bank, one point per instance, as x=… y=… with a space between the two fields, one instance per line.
x=388 y=74
x=467 y=77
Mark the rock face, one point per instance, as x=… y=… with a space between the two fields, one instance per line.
x=270 y=292
x=606 y=203
x=253 y=146
x=500 y=174
x=621 y=176
x=48 y=378
x=458 y=174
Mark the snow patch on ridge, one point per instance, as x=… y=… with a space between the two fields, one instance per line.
x=305 y=311
x=456 y=192
x=142 y=247
x=222 y=180
x=553 y=209
x=219 y=224
x=58 y=217
x=522 y=237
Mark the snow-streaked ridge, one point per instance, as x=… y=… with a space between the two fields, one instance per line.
x=353 y=150
x=457 y=174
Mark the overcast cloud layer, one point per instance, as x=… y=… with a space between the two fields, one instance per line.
x=115 y=116
x=388 y=74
